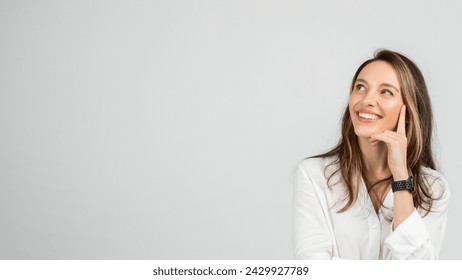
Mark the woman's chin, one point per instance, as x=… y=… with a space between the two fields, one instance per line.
x=363 y=133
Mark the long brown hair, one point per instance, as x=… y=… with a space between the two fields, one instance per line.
x=419 y=125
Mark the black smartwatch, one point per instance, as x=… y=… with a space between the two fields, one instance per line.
x=403 y=185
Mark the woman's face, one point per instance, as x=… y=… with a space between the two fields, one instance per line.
x=376 y=100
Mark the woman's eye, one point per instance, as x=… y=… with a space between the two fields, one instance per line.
x=360 y=87
x=387 y=92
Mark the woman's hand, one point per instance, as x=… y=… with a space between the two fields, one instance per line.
x=397 y=147
x=403 y=204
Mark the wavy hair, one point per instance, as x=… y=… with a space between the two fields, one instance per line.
x=419 y=129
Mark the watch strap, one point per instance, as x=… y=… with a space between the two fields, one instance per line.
x=403 y=185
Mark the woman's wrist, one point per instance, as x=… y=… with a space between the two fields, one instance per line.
x=400 y=175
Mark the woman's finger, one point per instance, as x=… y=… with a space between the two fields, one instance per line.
x=402 y=121
x=382 y=137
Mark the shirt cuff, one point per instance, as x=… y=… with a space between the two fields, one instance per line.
x=407 y=237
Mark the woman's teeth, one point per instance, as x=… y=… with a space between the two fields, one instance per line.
x=368 y=116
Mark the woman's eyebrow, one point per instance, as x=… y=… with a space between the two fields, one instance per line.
x=384 y=84
x=361 y=80
x=389 y=85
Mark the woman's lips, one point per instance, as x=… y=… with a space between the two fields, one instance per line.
x=367 y=116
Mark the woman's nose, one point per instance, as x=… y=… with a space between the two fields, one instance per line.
x=370 y=99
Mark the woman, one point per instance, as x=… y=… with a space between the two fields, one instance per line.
x=376 y=195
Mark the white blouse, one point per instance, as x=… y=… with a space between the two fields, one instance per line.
x=320 y=232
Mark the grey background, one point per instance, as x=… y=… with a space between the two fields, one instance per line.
x=170 y=129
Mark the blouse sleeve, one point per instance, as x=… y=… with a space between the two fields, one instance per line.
x=419 y=237
x=311 y=236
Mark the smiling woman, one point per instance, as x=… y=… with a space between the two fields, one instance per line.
x=377 y=194
x=383 y=88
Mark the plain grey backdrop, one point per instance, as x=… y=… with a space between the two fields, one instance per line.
x=171 y=129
